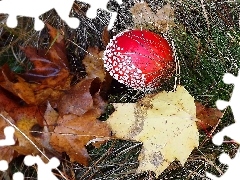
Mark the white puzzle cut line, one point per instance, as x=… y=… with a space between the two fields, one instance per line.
x=9 y=137
x=233 y=170
x=232 y=131
x=18 y=176
x=3 y=165
x=44 y=170
x=35 y=8
x=8 y=141
x=92 y=11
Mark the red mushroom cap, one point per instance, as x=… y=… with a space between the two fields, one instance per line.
x=139 y=59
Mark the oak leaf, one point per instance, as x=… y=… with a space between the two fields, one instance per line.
x=166 y=125
x=49 y=76
x=73 y=133
x=77 y=123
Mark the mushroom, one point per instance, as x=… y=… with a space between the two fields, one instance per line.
x=140 y=59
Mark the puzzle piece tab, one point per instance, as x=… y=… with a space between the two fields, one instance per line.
x=233 y=172
x=9 y=134
x=231 y=131
x=44 y=170
x=3 y=165
x=92 y=11
x=35 y=8
x=234 y=100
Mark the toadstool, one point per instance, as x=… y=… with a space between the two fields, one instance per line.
x=139 y=59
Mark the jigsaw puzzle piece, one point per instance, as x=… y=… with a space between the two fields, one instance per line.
x=232 y=131
x=36 y=8
x=44 y=169
x=9 y=134
x=95 y=5
x=229 y=78
x=233 y=172
x=63 y=8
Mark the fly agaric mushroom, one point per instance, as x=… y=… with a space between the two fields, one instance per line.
x=139 y=59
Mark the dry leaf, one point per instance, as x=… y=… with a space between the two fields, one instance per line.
x=144 y=17
x=16 y=85
x=48 y=78
x=44 y=135
x=50 y=117
x=50 y=66
x=105 y=36
x=23 y=145
x=17 y=110
x=94 y=64
x=165 y=124
x=208 y=117
x=74 y=132
x=81 y=98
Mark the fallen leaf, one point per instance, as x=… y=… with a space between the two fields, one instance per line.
x=17 y=109
x=23 y=145
x=50 y=117
x=166 y=125
x=51 y=65
x=43 y=134
x=48 y=78
x=73 y=133
x=16 y=85
x=105 y=36
x=94 y=64
x=144 y=17
x=81 y=98
x=208 y=117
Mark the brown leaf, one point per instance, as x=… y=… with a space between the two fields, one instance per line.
x=81 y=98
x=105 y=36
x=16 y=85
x=58 y=43
x=17 y=109
x=48 y=78
x=50 y=117
x=23 y=145
x=43 y=138
x=94 y=64
x=208 y=117
x=50 y=66
x=74 y=132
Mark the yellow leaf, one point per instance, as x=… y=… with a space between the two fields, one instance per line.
x=165 y=124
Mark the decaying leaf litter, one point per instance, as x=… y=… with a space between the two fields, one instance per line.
x=123 y=96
